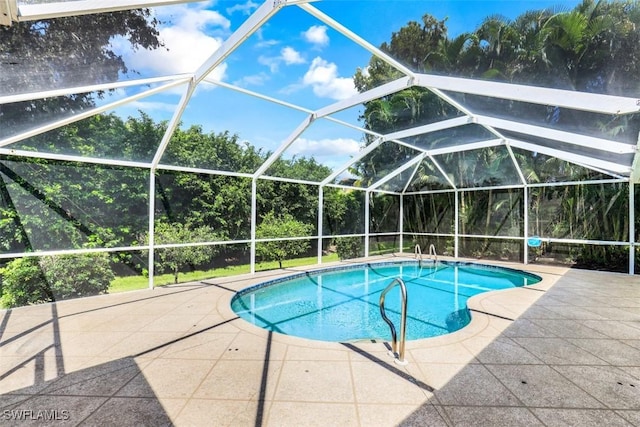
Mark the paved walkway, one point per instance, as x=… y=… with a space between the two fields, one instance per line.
x=563 y=353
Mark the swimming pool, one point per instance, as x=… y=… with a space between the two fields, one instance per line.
x=342 y=304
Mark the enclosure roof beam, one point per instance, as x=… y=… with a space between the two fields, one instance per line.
x=431 y=127
x=364 y=152
x=360 y=98
x=443 y=172
x=357 y=39
x=466 y=147
x=583 y=101
x=87 y=113
x=225 y=85
x=288 y=105
x=512 y=155
x=173 y=124
x=411 y=178
x=50 y=10
x=635 y=165
x=30 y=96
x=72 y=158
x=261 y=15
x=557 y=135
x=285 y=144
x=455 y=148
x=388 y=177
x=590 y=162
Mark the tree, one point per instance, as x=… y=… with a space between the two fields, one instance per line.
x=74 y=50
x=343 y=211
x=176 y=258
x=273 y=227
x=593 y=48
x=66 y=52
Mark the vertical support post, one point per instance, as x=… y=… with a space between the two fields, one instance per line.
x=401 y=223
x=320 y=221
x=151 y=230
x=632 y=227
x=525 y=201
x=457 y=224
x=254 y=216
x=367 y=196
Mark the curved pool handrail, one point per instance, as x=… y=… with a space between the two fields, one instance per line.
x=418 y=253
x=432 y=251
x=397 y=354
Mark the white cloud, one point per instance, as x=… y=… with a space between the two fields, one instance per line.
x=322 y=76
x=270 y=61
x=291 y=56
x=197 y=19
x=330 y=152
x=266 y=43
x=253 y=80
x=245 y=8
x=288 y=55
x=187 y=45
x=316 y=35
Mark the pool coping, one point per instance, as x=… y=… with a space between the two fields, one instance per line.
x=478 y=305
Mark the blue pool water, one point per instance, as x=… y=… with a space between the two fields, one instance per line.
x=342 y=304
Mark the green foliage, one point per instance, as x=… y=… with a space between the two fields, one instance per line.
x=34 y=280
x=349 y=247
x=23 y=283
x=584 y=49
x=285 y=225
x=343 y=211
x=80 y=51
x=176 y=258
x=72 y=276
x=64 y=44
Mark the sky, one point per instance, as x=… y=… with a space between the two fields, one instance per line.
x=293 y=57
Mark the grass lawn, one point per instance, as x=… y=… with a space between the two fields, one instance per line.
x=130 y=283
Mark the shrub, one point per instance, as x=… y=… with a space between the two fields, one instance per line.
x=72 y=276
x=23 y=283
x=34 y=280
x=349 y=247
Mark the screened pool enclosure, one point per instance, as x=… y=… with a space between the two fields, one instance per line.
x=161 y=137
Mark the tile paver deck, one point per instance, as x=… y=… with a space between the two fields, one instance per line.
x=565 y=352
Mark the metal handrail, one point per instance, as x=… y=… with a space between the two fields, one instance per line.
x=397 y=354
x=418 y=253
x=432 y=251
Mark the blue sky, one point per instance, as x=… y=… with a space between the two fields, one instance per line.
x=293 y=57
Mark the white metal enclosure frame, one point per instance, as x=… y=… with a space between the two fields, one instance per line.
x=591 y=152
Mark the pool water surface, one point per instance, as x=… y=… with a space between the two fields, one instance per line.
x=342 y=304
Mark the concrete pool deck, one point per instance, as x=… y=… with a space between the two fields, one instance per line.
x=564 y=352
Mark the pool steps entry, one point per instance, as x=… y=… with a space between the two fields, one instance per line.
x=418 y=253
x=397 y=354
x=432 y=252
